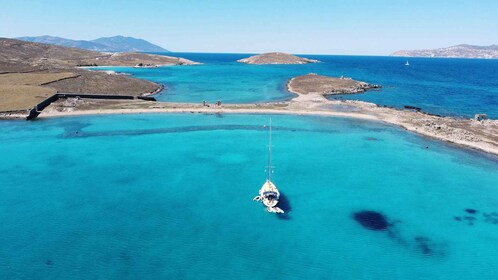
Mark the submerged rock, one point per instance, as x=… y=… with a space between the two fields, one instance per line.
x=371 y=220
x=471 y=211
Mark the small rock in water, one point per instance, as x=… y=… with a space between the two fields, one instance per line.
x=371 y=220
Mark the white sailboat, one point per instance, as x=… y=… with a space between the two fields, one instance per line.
x=407 y=64
x=269 y=194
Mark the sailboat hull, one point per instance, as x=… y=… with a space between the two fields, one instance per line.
x=269 y=194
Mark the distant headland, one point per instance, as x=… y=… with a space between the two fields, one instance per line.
x=459 y=51
x=276 y=58
x=104 y=44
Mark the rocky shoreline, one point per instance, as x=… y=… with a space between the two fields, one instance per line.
x=318 y=84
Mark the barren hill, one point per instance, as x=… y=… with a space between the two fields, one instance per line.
x=323 y=85
x=276 y=58
x=30 y=72
x=16 y=55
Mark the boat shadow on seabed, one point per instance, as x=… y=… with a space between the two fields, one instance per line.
x=285 y=205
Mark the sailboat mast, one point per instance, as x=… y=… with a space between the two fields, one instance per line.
x=269 y=155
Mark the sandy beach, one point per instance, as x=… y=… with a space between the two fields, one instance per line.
x=479 y=135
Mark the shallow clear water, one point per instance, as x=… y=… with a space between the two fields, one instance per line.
x=170 y=196
x=455 y=87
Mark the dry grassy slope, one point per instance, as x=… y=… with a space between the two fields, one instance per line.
x=21 y=97
x=276 y=58
x=30 y=71
x=19 y=91
x=312 y=83
x=43 y=56
x=103 y=83
x=34 y=79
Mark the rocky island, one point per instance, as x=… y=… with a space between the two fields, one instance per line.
x=459 y=51
x=318 y=84
x=276 y=58
x=31 y=72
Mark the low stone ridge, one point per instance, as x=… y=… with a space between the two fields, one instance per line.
x=276 y=58
x=318 y=84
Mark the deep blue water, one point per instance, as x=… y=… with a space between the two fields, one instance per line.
x=170 y=197
x=452 y=87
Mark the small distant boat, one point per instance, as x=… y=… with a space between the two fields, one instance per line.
x=269 y=194
x=407 y=63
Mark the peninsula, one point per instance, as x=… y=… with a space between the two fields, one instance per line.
x=31 y=72
x=459 y=51
x=276 y=58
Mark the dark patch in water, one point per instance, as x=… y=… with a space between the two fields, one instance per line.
x=491 y=218
x=371 y=220
x=488 y=217
x=377 y=221
x=372 y=139
x=471 y=211
x=423 y=245
x=124 y=257
x=72 y=133
x=125 y=180
x=428 y=247
x=285 y=205
x=49 y=262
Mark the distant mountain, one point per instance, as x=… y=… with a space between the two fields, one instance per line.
x=459 y=51
x=105 y=44
x=128 y=44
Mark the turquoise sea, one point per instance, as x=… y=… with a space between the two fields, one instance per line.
x=450 y=87
x=170 y=197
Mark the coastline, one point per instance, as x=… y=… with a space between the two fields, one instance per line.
x=450 y=130
x=478 y=135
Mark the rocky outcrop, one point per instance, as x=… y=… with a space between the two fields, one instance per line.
x=276 y=58
x=318 y=84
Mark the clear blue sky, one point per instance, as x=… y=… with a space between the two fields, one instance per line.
x=376 y=27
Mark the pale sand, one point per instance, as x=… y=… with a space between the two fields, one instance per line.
x=465 y=132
